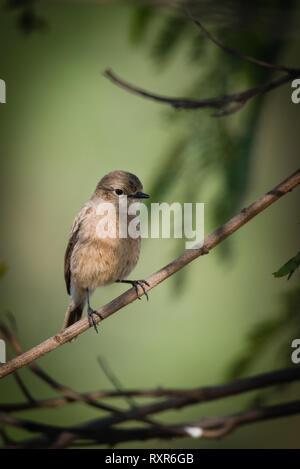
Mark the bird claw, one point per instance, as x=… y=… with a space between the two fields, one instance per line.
x=136 y=283
x=91 y=318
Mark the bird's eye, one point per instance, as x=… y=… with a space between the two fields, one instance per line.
x=119 y=191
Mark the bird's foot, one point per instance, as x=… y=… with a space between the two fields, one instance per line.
x=91 y=318
x=136 y=284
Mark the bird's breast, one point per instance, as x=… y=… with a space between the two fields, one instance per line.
x=101 y=261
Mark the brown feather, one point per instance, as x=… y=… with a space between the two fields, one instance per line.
x=73 y=315
x=67 y=266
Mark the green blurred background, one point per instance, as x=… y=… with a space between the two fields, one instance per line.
x=63 y=127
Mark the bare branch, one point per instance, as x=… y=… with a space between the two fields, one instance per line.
x=72 y=395
x=179 y=396
x=237 y=100
x=37 y=370
x=207 y=428
x=227 y=104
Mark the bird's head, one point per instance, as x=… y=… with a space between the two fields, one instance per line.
x=117 y=184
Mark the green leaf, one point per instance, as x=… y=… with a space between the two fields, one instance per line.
x=142 y=17
x=168 y=38
x=289 y=267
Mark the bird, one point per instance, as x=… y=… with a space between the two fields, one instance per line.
x=92 y=261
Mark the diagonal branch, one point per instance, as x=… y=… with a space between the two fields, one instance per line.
x=129 y=296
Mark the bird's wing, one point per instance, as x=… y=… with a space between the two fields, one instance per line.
x=73 y=238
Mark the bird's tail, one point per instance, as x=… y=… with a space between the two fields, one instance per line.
x=73 y=314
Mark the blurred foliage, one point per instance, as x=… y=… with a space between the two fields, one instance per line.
x=210 y=149
x=172 y=31
x=280 y=331
x=270 y=336
x=289 y=267
x=140 y=20
x=28 y=20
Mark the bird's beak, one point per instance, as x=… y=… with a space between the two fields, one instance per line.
x=141 y=195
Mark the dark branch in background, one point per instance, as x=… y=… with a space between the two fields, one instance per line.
x=237 y=100
x=227 y=104
x=179 y=397
x=105 y=430
x=89 y=434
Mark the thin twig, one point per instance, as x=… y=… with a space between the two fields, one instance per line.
x=179 y=396
x=25 y=391
x=132 y=406
x=73 y=395
x=40 y=373
x=235 y=53
x=24 y=388
x=115 y=382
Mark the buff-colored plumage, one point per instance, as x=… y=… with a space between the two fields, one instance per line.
x=92 y=261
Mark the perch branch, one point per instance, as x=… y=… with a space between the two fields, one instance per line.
x=129 y=296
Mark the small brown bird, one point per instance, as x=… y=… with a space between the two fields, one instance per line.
x=91 y=260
